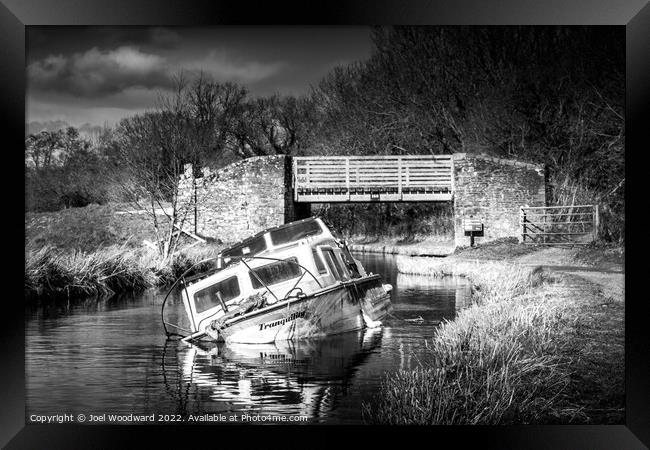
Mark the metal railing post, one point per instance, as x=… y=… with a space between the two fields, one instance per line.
x=596 y=224
x=294 y=179
x=399 y=177
x=347 y=176
x=452 y=183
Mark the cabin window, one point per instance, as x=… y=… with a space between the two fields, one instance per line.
x=207 y=298
x=334 y=265
x=340 y=265
x=295 y=232
x=275 y=273
x=247 y=248
x=320 y=265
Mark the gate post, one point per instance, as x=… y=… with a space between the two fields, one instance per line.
x=596 y=222
x=522 y=224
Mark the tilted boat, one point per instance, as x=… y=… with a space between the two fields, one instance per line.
x=289 y=282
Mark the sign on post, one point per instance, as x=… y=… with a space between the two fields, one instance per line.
x=472 y=227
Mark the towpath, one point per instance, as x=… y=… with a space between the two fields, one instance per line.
x=607 y=272
x=607 y=275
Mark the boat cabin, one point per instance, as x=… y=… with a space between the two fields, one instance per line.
x=278 y=264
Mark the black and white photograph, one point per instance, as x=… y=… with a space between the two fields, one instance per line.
x=325 y=225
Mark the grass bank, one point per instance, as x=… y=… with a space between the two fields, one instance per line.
x=502 y=249
x=535 y=347
x=52 y=273
x=394 y=246
x=441 y=245
x=87 y=229
x=97 y=251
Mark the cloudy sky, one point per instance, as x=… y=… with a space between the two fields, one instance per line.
x=98 y=75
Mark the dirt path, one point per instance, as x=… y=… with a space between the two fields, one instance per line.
x=610 y=278
x=606 y=275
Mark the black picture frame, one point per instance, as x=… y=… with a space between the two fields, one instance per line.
x=15 y=15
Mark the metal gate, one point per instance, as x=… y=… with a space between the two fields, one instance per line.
x=559 y=225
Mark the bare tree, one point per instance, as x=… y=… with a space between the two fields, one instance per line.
x=188 y=125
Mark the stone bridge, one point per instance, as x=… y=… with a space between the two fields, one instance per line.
x=256 y=193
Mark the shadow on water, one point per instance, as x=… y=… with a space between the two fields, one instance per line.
x=112 y=357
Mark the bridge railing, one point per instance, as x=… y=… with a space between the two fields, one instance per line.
x=373 y=178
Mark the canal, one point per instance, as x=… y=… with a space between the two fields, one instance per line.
x=112 y=357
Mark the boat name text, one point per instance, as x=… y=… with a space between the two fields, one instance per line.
x=289 y=318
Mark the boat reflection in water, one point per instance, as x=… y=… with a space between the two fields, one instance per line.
x=304 y=377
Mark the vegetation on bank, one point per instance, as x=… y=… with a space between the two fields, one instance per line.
x=52 y=273
x=88 y=228
x=95 y=251
x=601 y=254
x=517 y=355
x=390 y=247
x=498 y=249
x=440 y=245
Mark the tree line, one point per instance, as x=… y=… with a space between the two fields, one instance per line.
x=551 y=95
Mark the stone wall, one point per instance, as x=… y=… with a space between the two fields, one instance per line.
x=256 y=193
x=493 y=190
x=243 y=198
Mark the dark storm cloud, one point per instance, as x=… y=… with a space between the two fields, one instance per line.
x=45 y=40
x=97 y=73
x=101 y=74
x=164 y=38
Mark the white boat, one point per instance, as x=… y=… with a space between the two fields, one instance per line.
x=289 y=282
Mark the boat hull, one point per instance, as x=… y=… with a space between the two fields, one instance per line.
x=343 y=307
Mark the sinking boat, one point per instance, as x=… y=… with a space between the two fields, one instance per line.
x=289 y=282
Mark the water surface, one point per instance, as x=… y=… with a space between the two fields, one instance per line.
x=112 y=357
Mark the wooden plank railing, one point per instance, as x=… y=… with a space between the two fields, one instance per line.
x=367 y=178
x=553 y=225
